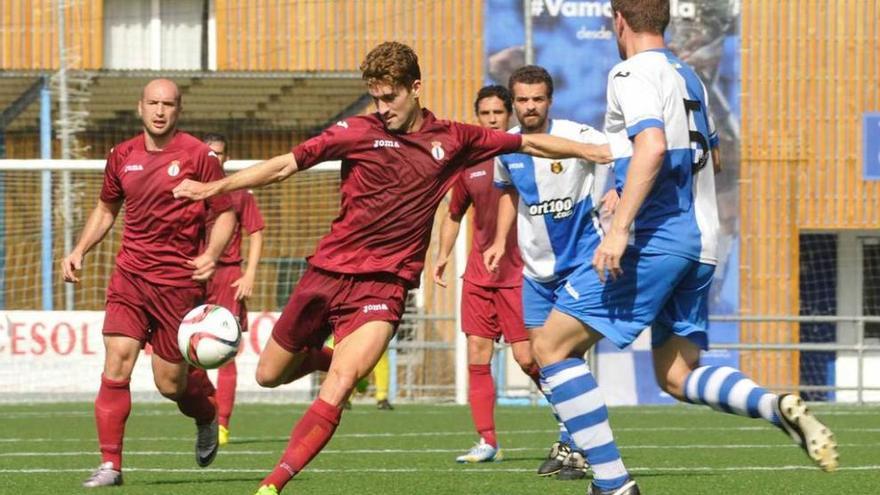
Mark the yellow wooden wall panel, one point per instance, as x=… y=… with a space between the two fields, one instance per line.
x=335 y=36
x=809 y=71
x=29 y=39
x=842 y=48
x=768 y=261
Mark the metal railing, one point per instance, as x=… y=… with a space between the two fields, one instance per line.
x=860 y=348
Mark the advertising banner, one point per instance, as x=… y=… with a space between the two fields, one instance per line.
x=59 y=355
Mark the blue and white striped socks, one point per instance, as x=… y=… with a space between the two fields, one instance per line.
x=726 y=389
x=564 y=436
x=579 y=403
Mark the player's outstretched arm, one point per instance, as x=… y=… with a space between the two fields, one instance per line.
x=506 y=218
x=97 y=226
x=268 y=172
x=244 y=286
x=218 y=238
x=448 y=234
x=547 y=146
x=647 y=159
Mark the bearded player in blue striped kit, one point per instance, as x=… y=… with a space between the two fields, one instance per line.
x=666 y=154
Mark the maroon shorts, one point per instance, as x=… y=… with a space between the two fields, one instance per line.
x=491 y=312
x=148 y=312
x=222 y=293
x=325 y=302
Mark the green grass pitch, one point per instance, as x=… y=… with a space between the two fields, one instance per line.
x=51 y=448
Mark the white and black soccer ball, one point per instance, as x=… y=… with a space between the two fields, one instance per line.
x=209 y=336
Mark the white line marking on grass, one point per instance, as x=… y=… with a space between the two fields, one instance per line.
x=77 y=414
x=650 y=429
x=629 y=411
x=458 y=470
x=228 y=452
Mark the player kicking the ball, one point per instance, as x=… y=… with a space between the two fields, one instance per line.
x=397 y=165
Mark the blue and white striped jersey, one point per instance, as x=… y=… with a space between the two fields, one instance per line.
x=656 y=89
x=557 y=226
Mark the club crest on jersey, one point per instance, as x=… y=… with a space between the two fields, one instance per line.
x=556 y=167
x=437 y=150
x=174 y=168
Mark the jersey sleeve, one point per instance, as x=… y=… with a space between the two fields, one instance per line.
x=111 y=190
x=333 y=144
x=502 y=178
x=208 y=169
x=637 y=97
x=589 y=135
x=481 y=143
x=250 y=217
x=460 y=201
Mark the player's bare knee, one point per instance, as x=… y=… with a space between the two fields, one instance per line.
x=267 y=379
x=525 y=360
x=171 y=390
x=344 y=380
x=118 y=365
x=543 y=346
x=672 y=384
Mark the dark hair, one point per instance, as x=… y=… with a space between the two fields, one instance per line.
x=213 y=137
x=497 y=91
x=644 y=16
x=391 y=63
x=531 y=74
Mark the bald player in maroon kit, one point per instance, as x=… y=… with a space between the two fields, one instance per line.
x=397 y=165
x=491 y=302
x=159 y=274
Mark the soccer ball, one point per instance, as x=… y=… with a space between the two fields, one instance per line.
x=208 y=336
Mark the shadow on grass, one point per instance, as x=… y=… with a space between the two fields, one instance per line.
x=205 y=481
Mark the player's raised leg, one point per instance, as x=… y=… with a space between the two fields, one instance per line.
x=278 y=366
x=353 y=359
x=576 y=396
x=726 y=389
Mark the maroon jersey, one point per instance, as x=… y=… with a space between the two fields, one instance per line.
x=391 y=186
x=475 y=185
x=247 y=217
x=161 y=233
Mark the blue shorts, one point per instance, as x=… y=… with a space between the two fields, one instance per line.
x=667 y=292
x=538 y=300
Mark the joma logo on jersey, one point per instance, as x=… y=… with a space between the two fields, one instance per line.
x=369 y=308
x=516 y=165
x=385 y=143
x=559 y=208
x=134 y=168
x=478 y=173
